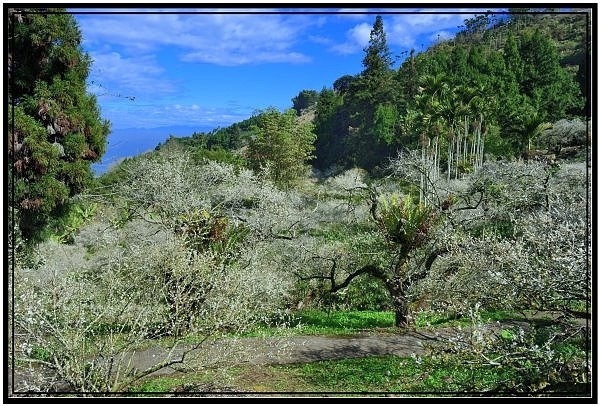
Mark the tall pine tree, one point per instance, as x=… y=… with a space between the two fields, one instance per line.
x=55 y=127
x=372 y=101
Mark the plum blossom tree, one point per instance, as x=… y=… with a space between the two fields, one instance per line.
x=511 y=236
x=183 y=250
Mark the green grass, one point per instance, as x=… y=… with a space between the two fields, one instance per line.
x=416 y=376
x=395 y=374
x=341 y=322
x=314 y=322
x=370 y=375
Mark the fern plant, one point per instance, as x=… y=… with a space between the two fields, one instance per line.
x=404 y=222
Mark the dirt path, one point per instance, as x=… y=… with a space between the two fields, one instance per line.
x=301 y=349
x=284 y=350
x=268 y=351
x=287 y=350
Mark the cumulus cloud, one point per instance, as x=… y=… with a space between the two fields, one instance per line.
x=360 y=34
x=138 y=75
x=221 y=39
x=356 y=39
x=406 y=30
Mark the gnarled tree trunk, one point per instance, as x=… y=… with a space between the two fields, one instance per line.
x=400 y=305
x=397 y=285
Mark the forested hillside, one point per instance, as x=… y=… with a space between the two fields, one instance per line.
x=503 y=80
x=449 y=196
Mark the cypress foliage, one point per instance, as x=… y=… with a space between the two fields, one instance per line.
x=55 y=127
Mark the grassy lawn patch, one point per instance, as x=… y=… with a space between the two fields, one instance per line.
x=370 y=375
x=338 y=322
x=391 y=374
x=315 y=322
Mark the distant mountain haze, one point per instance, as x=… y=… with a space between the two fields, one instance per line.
x=128 y=142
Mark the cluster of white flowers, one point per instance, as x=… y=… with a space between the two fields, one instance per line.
x=526 y=247
x=128 y=277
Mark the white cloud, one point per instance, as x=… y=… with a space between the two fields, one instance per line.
x=140 y=75
x=357 y=38
x=156 y=114
x=405 y=30
x=361 y=34
x=222 y=39
x=235 y=57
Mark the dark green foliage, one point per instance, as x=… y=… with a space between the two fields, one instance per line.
x=371 y=102
x=551 y=87
x=342 y=84
x=385 y=122
x=330 y=129
x=304 y=100
x=281 y=146
x=407 y=77
x=530 y=70
x=73 y=217
x=367 y=293
x=219 y=154
x=55 y=128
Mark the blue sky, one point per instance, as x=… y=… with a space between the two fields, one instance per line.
x=217 y=69
x=166 y=68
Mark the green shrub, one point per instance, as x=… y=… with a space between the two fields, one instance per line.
x=218 y=154
x=365 y=293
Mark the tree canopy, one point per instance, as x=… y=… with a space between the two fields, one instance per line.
x=281 y=145
x=518 y=68
x=55 y=127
